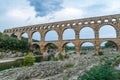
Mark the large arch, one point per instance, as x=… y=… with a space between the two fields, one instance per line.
x=108 y=46
x=36 y=36
x=68 y=34
x=68 y=47
x=107 y=31
x=86 y=33
x=35 y=47
x=51 y=35
x=51 y=48
x=87 y=47
x=24 y=36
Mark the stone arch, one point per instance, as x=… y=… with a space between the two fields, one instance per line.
x=87 y=47
x=86 y=33
x=108 y=31
x=51 y=48
x=24 y=36
x=103 y=48
x=68 y=47
x=36 y=36
x=51 y=35
x=68 y=34
x=36 y=47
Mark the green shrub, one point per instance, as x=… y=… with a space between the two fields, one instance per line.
x=66 y=56
x=102 y=72
x=100 y=53
x=37 y=52
x=29 y=59
x=61 y=56
x=38 y=58
x=69 y=65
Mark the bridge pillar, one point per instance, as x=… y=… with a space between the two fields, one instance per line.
x=77 y=49
x=19 y=36
x=29 y=38
x=97 y=49
x=60 y=49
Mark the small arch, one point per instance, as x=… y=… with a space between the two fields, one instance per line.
x=108 y=46
x=114 y=20
x=99 y=21
x=36 y=36
x=86 y=33
x=86 y=22
x=51 y=48
x=87 y=47
x=51 y=35
x=92 y=22
x=24 y=36
x=68 y=47
x=68 y=34
x=106 y=20
x=80 y=23
x=107 y=31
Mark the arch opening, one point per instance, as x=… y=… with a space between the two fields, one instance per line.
x=51 y=48
x=36 y=37
x=86 y=33
x=69 y=48
x=107 y=31
x=36 y=47
x=24 y=36
x=68 y=34
x=87 y=47
x=51 y=36
x=14 y=35
x=108 y=47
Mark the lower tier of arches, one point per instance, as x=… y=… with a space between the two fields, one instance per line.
x=77 y=46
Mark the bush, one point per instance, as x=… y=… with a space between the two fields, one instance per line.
x=61 y=56
x=29 y=59
x=69 y=65
x=100 y=53
x=66 y=56
x=38 y=58
x=37 y=52
x=102 y=72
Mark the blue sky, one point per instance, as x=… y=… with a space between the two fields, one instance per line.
x=16 y=13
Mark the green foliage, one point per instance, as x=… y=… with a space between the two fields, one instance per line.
x=11 y=43
x=61 y=56
x=38 y=58
x=116 y=60
x=100 y=53
x=29 y=59
x=102 y=72
x=37 y=52
x=71 y=48
x=52 y=58
x=109 y=44
x=69 y=65
x=66 y=56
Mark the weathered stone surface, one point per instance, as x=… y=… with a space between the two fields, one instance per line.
x=39 y=70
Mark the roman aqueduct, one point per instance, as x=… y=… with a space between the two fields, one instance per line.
x=95 y=23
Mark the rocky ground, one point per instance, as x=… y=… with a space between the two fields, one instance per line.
x=69 y=69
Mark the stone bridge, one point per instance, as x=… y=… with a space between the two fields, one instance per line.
x=94 y=23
